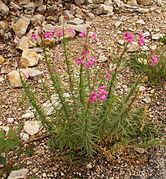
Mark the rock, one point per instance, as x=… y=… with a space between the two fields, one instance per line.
x=3 y=25
x=76 y=21
x=117 y=24
x=14 y=78
x=4 y=10
x=32 y=127
x=156 y=36
x=42 y=8
x=4 y=128
x=79 y=2
x=24 y=136
x=18 y=174
x=48 y=27
x=147 y=99
x=10 y=120
x=140 y=150
x=37 y=19
x=102 y=58
x=144 y=2
x=121 y=42
x=2 y=79
x=28 y=115
x=142 y=88
x=141 y=21
x=81 y=27
x=104 y=10
x=68 y=14
x=1 y=59
x=30 y=8
x=23 y=2
x=52 y=8
x=133 y=47
x=20 y=27
x=15 y=6
x=23 y=43
x=89 y=166
x=108 y=2
x=132 y=2
x=38 y=3
x=33 y=72
x=29 y=58
x=50 y=105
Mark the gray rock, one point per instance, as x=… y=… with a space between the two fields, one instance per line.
x=15 y=6
x=18 y=174
x=23 y=43
x=81 y=27
x=104 y=9
x=147 y=99
x=69 y=15
x=4 y=10
x=32 y=127
x=132 y=2
x=14 y=79
x=24 y=136
x=133 y=47
x=142 y=88
x=28 y=115
x=76 y=21
x=38 y=3
x=42 y=8
x=37 y=19
x=156 y=36
x=20 y=27
x=102 y=58
x=79 y=2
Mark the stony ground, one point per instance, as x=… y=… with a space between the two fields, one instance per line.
x=109 y=20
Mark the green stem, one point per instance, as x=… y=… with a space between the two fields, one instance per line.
x=56 y=83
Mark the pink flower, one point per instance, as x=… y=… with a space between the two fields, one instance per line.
x=82 y=34
x=93 y=97
x=85 y=52
x=94 y=37
x=90 y=62
x=48 y=35
x=128 y=37
x=154 y=59
x=141 y=40
x=71 y=30
x=34 y=37
x=109 y=73
x=108 y=76
x=79 y=61
x=60 y=33
x=102 y=93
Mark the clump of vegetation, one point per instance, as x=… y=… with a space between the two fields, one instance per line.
x=87 y=111
x=8 y=142
x=151 y=62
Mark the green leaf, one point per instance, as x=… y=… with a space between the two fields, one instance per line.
x=2 y=135
x=12 y=134
x=2 y=160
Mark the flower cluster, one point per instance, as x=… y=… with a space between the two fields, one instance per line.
x=100 y=95
x=58 y=32
x=86 y=59
x=128 y=37
x=92 y=35
x=141 y=40
x=154 y=60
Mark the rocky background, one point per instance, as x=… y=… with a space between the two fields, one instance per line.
x=109 y=18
